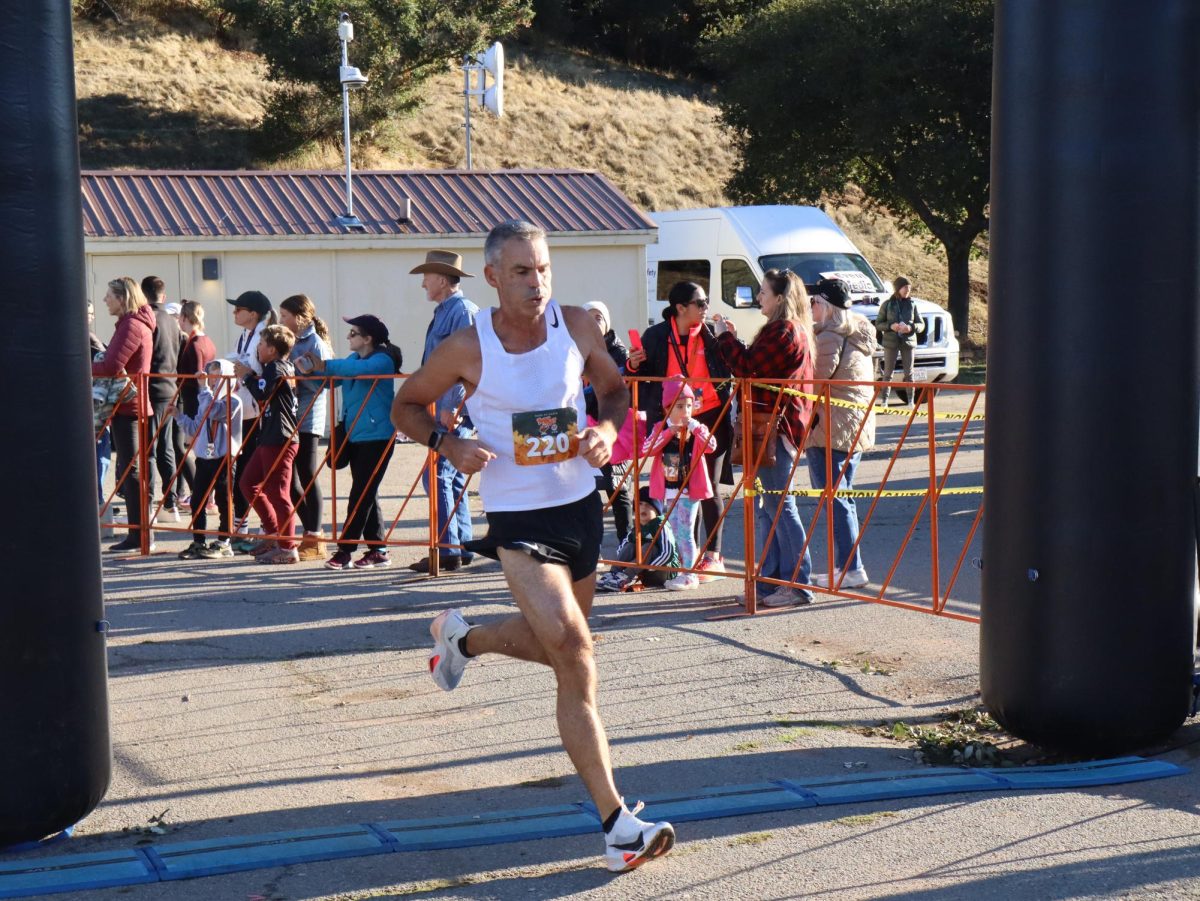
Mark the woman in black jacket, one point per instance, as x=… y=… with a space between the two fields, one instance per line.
x=684 y=344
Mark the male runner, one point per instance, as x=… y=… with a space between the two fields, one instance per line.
x=522 y=365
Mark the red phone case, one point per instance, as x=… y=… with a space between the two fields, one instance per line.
x=635 y=340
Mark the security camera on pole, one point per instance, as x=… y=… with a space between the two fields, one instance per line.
x=490 y=97
x=352 y=80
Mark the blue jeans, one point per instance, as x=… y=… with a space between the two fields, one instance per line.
x=845 y=512
x=451 y=484
x=103 y=461
x=780 y=558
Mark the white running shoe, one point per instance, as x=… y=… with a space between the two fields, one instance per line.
x=855 y=578
x=682 y=582
x=446 y=660
x=632 y=842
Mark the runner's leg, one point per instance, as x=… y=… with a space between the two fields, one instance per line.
x=557 y=621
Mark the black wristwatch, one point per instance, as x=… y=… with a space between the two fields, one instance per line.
x=435 y=439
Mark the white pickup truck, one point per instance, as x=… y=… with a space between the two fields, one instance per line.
x=727 y=249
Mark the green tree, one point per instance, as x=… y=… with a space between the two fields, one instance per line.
x=893 y=95
x=398 y=44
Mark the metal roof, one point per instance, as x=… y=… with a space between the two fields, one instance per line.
x=256 y=204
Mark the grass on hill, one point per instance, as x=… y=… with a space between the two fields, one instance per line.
x=167 y=93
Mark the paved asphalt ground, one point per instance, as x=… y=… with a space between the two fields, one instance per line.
x=248 y=699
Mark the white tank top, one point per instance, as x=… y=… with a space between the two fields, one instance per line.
x=528 y=409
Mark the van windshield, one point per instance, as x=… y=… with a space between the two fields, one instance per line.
x=812 y=267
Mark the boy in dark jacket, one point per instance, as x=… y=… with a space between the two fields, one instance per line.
x=658 y=549
x=277 y=441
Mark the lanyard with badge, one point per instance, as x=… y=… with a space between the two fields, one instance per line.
x=683 y=353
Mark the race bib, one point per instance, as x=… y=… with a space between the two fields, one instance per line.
x=670 y=467
x=545 y=436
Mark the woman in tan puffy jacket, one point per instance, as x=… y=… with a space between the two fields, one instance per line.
x=845 y=345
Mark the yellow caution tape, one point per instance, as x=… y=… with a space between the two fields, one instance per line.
x=885 y=411
x=862 y=492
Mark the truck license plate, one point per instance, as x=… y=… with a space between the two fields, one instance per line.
x=920 y=374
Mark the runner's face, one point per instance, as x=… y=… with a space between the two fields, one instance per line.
x=521 y=276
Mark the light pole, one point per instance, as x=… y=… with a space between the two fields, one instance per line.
x=491 y=96
x=352 y=80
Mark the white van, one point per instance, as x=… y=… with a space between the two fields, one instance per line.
x=727 y=249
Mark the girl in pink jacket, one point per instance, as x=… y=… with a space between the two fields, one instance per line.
x=678 y=475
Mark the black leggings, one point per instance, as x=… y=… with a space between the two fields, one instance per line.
x=310 y=508
x=125 y=442
x=210 y=474
x=365 y=522
x=241 y=503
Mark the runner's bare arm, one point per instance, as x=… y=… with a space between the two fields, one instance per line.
x=457 y=359
x=612 y=397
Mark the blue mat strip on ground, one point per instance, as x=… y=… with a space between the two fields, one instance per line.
x=188 y=860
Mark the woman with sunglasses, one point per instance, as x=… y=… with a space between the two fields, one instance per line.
x=684 y=345
x=367 y=413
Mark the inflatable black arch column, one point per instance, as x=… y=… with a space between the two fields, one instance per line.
x=54 y=744
x=1089 y=541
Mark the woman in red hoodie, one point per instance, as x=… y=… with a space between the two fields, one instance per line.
x=128 y=353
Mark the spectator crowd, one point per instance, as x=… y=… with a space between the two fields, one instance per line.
x=249 y=431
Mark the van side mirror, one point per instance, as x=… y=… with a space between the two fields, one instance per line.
x=743 y=297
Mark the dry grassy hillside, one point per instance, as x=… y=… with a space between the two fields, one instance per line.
x=154 y=96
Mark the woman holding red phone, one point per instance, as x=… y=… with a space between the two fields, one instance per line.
x=684 y=345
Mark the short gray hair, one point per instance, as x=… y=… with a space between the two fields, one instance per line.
x=506 y=231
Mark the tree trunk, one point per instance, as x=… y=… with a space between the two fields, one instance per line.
x=958 y=258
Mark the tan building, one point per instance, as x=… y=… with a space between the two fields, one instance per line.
x=213 y=235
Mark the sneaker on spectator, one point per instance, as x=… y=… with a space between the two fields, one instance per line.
x=129 y=543
x=340 y=560
x=168 y=514
x=192 y=551
x=372 y=559
x=262 y=547
x=216 y=550
x=682 y=582
x=610 y=582
x=786 y=596
x=854 y=578
x=244 y=545
x=711 y=567
x=279 y=555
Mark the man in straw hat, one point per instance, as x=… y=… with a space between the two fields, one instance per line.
x=440 y=276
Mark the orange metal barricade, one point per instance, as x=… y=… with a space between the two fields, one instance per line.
x=927 y=436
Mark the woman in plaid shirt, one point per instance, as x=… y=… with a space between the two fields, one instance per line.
x=781 y=350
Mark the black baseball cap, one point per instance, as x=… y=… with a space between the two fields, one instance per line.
x=255 y=301
x=370 y=325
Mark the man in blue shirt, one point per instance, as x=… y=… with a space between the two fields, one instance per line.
x=440 y=275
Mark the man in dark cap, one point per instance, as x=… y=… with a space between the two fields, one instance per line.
x=440 y=276
x=899 y=323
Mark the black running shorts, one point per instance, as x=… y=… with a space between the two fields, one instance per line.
x=568 y=535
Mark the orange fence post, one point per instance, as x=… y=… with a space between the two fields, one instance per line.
x=749 y=495
x=934 y=572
